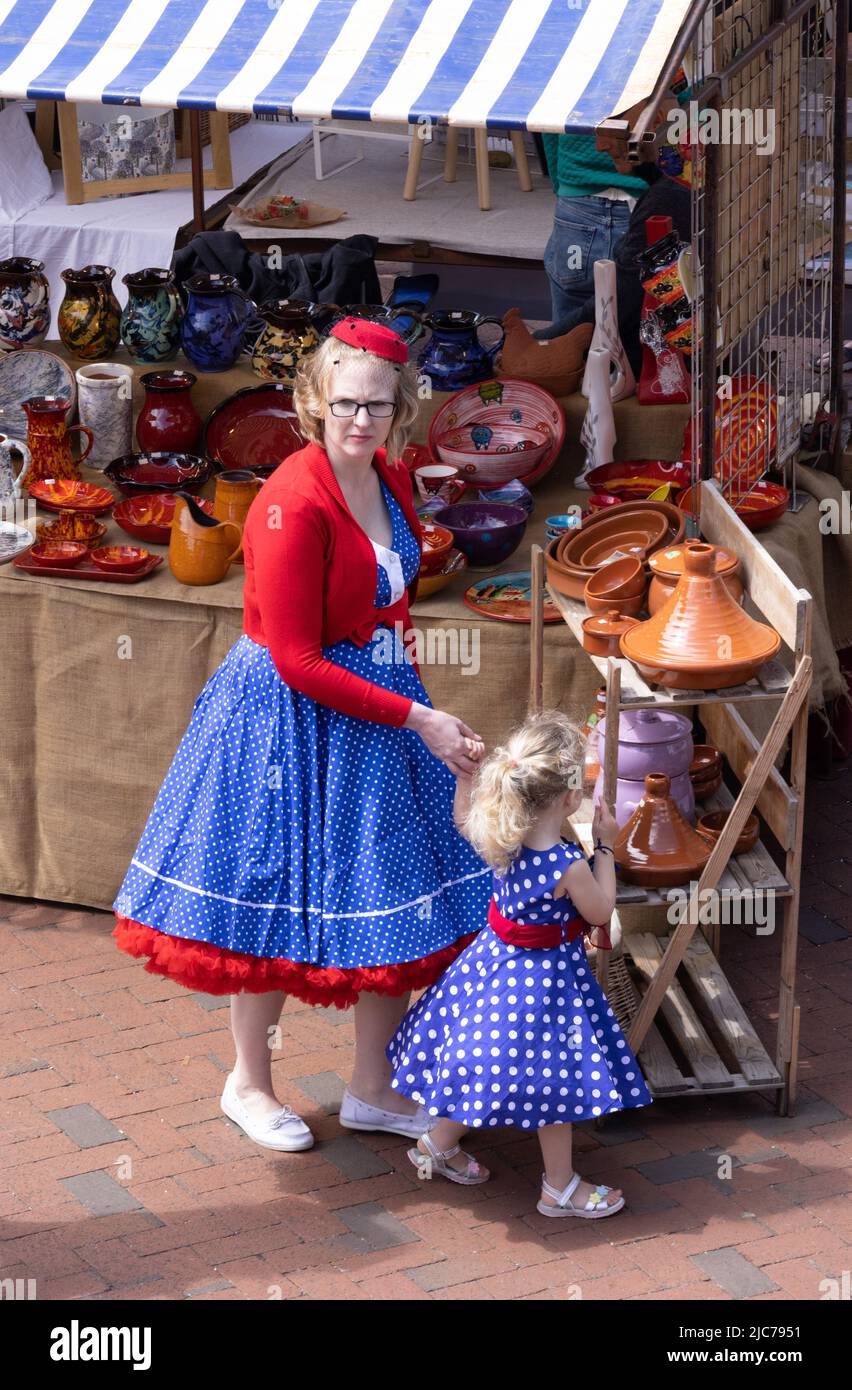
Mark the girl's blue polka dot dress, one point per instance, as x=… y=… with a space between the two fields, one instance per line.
x=515 y=1037
x=287 y=829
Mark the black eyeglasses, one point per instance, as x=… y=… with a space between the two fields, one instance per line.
x=379 y=410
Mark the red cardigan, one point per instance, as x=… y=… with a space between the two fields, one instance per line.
x=310 y=581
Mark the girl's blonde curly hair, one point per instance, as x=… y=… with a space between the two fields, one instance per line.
x=310 y=392
x=540 y=761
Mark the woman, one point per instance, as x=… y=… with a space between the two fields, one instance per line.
x=303 y=842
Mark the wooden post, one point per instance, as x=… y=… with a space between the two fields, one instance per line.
x=537 y=599
x=72 y=159
x=197 y=159
x=415 y=159
x=220 y=147
x=483 y=176
x=451 y=154
x=45 y=115
x=521 y=161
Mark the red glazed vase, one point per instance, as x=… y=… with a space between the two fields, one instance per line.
x=168 y=421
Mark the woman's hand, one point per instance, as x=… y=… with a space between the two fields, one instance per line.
x=447 y=737
x=604 y=825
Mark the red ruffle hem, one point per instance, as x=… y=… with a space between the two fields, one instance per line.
x=215 y=970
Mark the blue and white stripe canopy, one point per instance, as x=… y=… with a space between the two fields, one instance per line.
x=536 y=64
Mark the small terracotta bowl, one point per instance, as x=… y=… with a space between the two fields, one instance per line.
x=619 y=579
x=706 y=761
x=625 y=607
x=702 y=790
x=60 y=554
x=121 y=559
x=633 y=543
x=602 y=634
x=713 y=823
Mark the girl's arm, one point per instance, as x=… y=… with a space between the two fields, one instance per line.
x=592 y=891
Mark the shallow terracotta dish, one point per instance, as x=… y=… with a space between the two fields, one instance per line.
x=64 y=554
x=619 y=579
x=602 y=634
x=658 y=848
x=679 y=647
x=571 y=583
x=713 y=823
x=122 y=558
x=628 y=543
x=455 y=563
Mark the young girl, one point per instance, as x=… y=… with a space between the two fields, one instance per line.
x=517 y=1032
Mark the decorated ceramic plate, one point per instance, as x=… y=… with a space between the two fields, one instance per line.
x=32 y=372
x=507 y=596
x=63 y=494
x=14 y=540
x=256 y=428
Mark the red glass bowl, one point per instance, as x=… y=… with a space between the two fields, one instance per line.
x=149 y=515
x=120 y=558
x=63 y=554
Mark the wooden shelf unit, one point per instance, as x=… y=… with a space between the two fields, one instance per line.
x=705 y=1041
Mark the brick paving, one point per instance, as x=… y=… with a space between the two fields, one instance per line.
x=120 y=1179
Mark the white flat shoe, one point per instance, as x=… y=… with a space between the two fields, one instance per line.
x=357 y=1114
x=282 y=1130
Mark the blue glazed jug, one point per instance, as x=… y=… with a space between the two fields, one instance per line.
x=454 y=356
x=215 y=321
x=150 y=320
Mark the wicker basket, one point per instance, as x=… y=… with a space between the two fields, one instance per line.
x=621 y=992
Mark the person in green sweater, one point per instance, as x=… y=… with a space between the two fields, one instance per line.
x=593 y=206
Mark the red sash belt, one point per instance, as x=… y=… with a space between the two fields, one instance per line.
x=547 y=935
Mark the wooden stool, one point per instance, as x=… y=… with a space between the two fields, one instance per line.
x=483 y=172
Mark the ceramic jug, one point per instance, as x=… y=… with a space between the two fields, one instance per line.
x=454 y=356
x=11 y=482
x=606 y=335
x=200 y=547
x=150 y=320
x=49 y=440
x=234 y=493
x=215 y=321
x=24 y=303
x=90 y=314
x=287 y=335
x=168 y=421
x=598 y=433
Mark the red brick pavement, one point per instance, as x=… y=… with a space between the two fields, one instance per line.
x=120 y=1179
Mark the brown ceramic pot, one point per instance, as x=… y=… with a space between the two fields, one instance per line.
x=602 y=635
x=235 y=491
x=701 y=639
x=625 y=607
x=571 y=582
x=713 y=823
x=666 y=567
x=657 y=848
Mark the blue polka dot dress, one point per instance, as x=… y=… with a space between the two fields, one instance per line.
x=286 y=830
x=516 y=1037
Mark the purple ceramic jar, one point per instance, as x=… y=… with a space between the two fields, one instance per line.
x=650 y=741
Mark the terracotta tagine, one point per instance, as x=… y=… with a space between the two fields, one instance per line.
x=49 y=440
x=602 y=633
x=657 y=848
x=234 y=493
x=168 y=421
x=201 y=548
x=701 y=639
x=667 y=567
x=90 y=315
x=649 y=740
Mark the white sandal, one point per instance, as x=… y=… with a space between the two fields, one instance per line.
x=595 y=1206
x=435 y=1161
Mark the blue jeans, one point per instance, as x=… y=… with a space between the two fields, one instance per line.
x=585 y=230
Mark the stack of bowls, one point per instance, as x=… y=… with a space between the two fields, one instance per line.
x=632 y=528
x=617 y=587
x=705 y=771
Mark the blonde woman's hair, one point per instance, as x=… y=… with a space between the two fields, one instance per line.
x=310 y=392
x=540 y=761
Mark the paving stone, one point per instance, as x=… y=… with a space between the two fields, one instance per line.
x=19 y=1068
x=353 y=1158
x=86 y=1126
x=614 y=1132
x=101 y=1194
x=810 y=1111
x=377 y=1228
x=214 y=1286
x=699 y=1163
x=324 y=1087
x=819 y=929
x=213 y=1001
x=734 y=1273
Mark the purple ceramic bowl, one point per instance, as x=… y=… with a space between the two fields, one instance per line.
x=486 y=532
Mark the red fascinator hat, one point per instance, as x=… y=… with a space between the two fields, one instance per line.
x=371 y=337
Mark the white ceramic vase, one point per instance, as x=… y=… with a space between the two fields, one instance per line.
x=598 y=433
x=606 y=335
x=105 y=404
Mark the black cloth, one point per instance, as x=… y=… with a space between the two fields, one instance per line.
x=664 y=198
x=343 y=274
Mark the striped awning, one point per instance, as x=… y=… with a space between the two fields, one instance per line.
x=537 y=64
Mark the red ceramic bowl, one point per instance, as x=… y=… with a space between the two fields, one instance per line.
x=149 y=516
x=158 y=472
x=599 y=501
x=437 y=544
x=762 y=505
x=122 y=559
x=62 y=554
x=632 y=482
x=256 y=428
x=706 y=761
x=64 y=495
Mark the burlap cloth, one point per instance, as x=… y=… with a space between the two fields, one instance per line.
x=100 y=679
